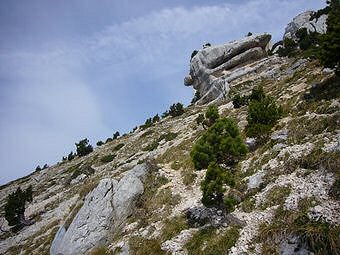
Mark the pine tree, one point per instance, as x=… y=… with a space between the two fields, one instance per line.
x=221 y=143
x=15 y=207
x=83 y=147
x=211 y=115
x=330 y=41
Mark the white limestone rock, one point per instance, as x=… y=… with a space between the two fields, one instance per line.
x=209 y=64
x=104 y=210
x=303 y=21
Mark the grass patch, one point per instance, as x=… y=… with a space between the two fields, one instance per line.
x=188 y=176
x=151 y=199
x=320 y=237
x=248 y=205
x=152 y=146
x=306 y=127
x=142 y=246
x=276 y=196
x=101 y=251
x=168 y=137
x=172 y=227
x=208 y=241
x=107 y=158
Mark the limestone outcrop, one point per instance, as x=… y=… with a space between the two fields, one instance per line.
x=104 y=210
x=208 y=66
x=303 y=21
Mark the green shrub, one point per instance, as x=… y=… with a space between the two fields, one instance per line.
x=330 y=41
x=148 y=123
x=197 y=97
x=71 y=156
x=213 y=186
x=289 y=48
x=15 y=207
x=168 y=137
x=262 y=116
x=156 y=118
x=200 y=119
x=212 y=115
x=100 y=143
x=239 y=101
x=107 y=158
x=83 y=147
x=221 y=143
x=176 y=110
x=115 y=135
x=152 y=146
x=118 y=147
x=108 y=140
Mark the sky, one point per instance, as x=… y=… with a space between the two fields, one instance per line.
x=71 y=69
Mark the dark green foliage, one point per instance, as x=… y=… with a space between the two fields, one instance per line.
x=148 y=123
x=193 y=54
x=118 y=147
x=289 y=48
x=176 y=110
x=108 y=140
x=221 y=143
x=257 y=93
x=107 y=158
x=156 y=118
x=15 y=207
x=38 y=168
x=165 y=114
x=211 y=115
x=45 y=166
x=152 y=146
x=239 y=101
x=197 y=97
x=83 y=147
x=64 y=159
x=330 y=42
x=213 y=185
x=86 y=169
x=71 y=156
x=168 y=137
x=115 y=135
x=200 y=119
x=325 y=90
x=100 y=143
x=230 y=203
x=249 y=34
x=262 y=116
x=319 y=13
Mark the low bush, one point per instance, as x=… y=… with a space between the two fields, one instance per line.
x=83 y=147
x=176 y=110
x=107 y=158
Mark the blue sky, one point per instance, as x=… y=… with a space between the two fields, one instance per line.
x=78 y=68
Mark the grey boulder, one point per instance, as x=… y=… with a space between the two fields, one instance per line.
x=208 y=66
x=104 y=210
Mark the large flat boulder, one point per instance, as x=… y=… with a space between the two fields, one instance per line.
x=104 y=210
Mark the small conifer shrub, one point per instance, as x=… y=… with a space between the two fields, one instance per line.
x=83 y=147
x=15 y=207
x=221 y=143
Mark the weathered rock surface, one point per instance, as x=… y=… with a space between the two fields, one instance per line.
x=104 y=209
x=207 y=67
x=303 y=21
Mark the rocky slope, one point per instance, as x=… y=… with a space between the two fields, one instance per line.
x=138 y=202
